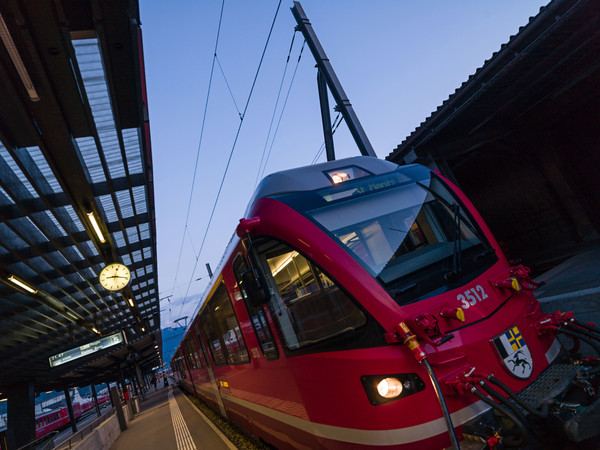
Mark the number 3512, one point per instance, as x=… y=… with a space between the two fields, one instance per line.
x=471 y=296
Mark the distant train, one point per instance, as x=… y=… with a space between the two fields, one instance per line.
x=365 y=304
x=58 y=418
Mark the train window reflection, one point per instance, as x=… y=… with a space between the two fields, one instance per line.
x=307 y=304
x=201 y=355
x=189 y=354
x=222 y=330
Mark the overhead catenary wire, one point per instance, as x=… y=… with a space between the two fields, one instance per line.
x=262 y=158
x=228 y=87
x=283 y=108
x=336 y=123
x=243 y=115
x=212 y=69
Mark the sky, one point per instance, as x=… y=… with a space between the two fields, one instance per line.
x=397 y=61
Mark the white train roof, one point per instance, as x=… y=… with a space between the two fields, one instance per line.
x=308 y=178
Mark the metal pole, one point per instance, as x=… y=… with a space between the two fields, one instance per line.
x=95 y=398
x=325 y=116
x=341 y=99
x=70 y=409
x=110 y=396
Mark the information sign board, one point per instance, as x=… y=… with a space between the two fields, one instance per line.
x=87 y=349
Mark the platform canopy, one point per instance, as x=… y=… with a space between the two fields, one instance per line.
x=76 y=192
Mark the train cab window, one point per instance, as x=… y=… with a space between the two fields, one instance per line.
x=308 y=306
x=411 y=233
x=257 y=315
x=222 y=330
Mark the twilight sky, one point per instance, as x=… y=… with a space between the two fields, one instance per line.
x=397 y=60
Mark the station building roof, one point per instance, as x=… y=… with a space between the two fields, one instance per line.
x=74 y=143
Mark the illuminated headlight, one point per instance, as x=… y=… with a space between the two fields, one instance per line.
x=339 y=177
x=382 y=389
x=344 y=174
x=389 y=387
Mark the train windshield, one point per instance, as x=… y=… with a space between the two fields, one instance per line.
x=406 y=228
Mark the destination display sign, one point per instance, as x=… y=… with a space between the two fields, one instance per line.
x=88 y=349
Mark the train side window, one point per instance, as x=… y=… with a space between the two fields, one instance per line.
x=194 y=352
x=308 y=306
x=178 y=360
x=186 y=356
x=222 y=330
x=256 y=313
x=201 y=354
x=215 y=345
x=189 y=353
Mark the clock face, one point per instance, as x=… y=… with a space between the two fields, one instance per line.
x=115 y=277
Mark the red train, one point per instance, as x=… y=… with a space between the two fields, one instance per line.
x=58 y=418
x=365 y=304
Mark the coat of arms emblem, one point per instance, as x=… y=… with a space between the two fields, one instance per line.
x=514 y=353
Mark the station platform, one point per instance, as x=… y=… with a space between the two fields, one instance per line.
x=169 y=420
x=574 y=286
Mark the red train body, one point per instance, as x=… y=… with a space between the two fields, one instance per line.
x=348 y=280
x=50 y=421
x=58 y=418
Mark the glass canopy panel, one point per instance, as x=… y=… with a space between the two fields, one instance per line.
x=14 y=177
x=89 y=59
x=131 y=141
x=42 y=165
x=74 y=218
x=91 y=158
x=5 y=199
x=124 y=201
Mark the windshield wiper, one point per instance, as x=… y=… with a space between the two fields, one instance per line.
x=448 y=205
x=457 y=251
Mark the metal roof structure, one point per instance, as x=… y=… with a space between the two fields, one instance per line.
x=520 y=135
x=74 y=148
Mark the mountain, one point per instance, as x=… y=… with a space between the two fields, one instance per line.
x=171 y=337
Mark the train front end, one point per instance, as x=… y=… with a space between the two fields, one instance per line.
x=403 y=321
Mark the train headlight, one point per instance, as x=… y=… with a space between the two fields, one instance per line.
x=382 y=389
x=344 y=174
x=339 y=177
x=389 y=388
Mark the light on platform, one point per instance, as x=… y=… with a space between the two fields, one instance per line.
x=14 y=280
x=17 y=61
x=96 y=227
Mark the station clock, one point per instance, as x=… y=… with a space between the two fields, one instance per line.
x=115 y=277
